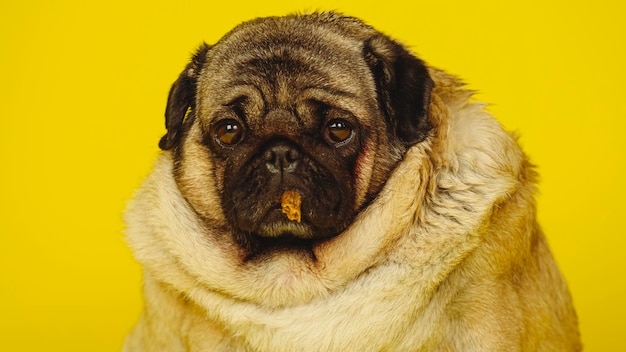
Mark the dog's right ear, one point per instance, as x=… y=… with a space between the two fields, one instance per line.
x=182 y=97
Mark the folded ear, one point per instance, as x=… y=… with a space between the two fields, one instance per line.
x=182 y=97
x=403 y=86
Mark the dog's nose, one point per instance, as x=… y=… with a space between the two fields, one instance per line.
x=281 y=157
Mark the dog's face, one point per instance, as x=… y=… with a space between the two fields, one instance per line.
x=322 y=105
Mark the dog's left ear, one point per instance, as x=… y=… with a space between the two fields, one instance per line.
x=403 y=86
x=182 y=97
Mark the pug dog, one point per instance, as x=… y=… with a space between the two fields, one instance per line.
x=320 y=188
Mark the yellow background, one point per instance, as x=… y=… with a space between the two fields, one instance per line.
x=82 y=91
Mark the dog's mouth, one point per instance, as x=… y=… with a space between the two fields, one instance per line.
x=279 y=234
x=278 y=226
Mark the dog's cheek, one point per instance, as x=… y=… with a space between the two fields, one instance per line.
x=363 y=169
x=196 y=173
x=218 y=175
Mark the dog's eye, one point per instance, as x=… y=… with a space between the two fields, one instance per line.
x=228 y=132
x=339 y=131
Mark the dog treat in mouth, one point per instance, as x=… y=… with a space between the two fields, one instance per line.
x=290 y=202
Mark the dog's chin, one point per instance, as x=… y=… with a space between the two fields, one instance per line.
x=280 y=236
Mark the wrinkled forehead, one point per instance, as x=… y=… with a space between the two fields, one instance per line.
x=288 y=53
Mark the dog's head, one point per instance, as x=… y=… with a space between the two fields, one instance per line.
x=318 y=104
